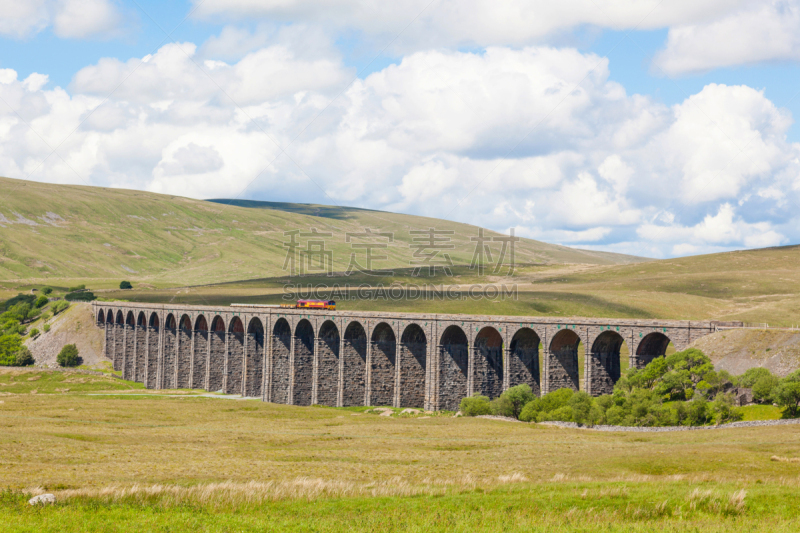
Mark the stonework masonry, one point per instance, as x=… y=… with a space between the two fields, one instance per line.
x=348 y=358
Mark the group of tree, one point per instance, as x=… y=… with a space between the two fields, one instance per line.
x=679 y=389
x=17 y=313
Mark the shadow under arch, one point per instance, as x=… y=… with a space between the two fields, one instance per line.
x=651 y=346
x=453 y=368
x=216 y=354
x=281 y=350
x=354 y=361
x=303 y=363
x=605 y=365
x=235 y=361
x=487 y=363
x=254 y=360
x=383 y=361
x=563 y=365
x=153 y=340
x=328 y=364
x=184 y=375
x=170 y=355
x=523 y=360
x=413 y=366
x=200 y=356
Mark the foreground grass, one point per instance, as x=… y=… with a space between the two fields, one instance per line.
x=122 y=462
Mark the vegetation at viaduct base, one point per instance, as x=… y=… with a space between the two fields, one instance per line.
x=681 y=389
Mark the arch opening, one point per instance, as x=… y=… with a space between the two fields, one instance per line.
x=413 y=365
x=101 y=318
x=110 y=317
x=454 y=367
x=129 y=353
x=170 y=352
x=354 y=359
x=651 y=346
x=235 y=363
x=303 y=363
x=184 y=372
x=488 y=363
x=254 y=362
x=605 y=365
x=384 y=356
x=328 y=364
x=140 y=361
x=153 y=339
x=200 y=353
x=563 y=369
x=523 y=360
x=281 y=350
x=216 y=354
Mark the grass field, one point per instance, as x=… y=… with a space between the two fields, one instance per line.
x=125 y=459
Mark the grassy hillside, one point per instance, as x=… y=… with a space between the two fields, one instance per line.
x=65 y=231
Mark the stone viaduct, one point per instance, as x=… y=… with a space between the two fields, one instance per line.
x=341 y=358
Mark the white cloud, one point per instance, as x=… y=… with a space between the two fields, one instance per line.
x=761 y=31
x=69 y=18
x=537 y=138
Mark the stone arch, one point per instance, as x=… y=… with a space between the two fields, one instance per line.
x=651 y=346
x=140 y=361
x=328 y=364
x=200 y=352
x=487 y=365
x=216 y=354
x=184 y=363
x=281 y=350
x=153 y=341
x=235 y=363
x=453 y=367
x=303 y=363
x=354 y=359
x=101 y=318
x=120 y=320
x=413 y=364
x=110 y=317
x=254 y=363
x=170 y=352
x=129 y=349
x=383 y=364
x=523 y=360
x=563 y=371
x=604 y=363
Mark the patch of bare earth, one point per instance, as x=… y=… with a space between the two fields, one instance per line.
x=736 y=350
x=73 y=326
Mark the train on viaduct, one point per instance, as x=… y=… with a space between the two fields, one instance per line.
x=350 y=358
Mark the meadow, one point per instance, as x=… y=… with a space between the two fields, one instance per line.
x=120 y=458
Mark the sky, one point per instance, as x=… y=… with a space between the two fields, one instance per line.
x=645 y=127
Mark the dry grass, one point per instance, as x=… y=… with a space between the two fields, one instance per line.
x=785 y=459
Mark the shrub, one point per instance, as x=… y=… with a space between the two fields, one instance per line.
x=724 y=409
x=9 y=346
x=697 y=411
x=24 y=357
x=18 y=299
x=581 y=405
x=476 y=405
x=68 y=356
x=47 y=291
x=77 y=288
x=549 y=402
x=511 y=402
x=764 y=387
x=787 y=394
x=80 y=296
x=34 y=333
x=41 y=301
x=125 y=285
x=59 y=306
x=46 y=328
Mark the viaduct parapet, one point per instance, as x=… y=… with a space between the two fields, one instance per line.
x=348 y=358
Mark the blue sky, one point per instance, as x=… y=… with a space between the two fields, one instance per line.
x=518 y=115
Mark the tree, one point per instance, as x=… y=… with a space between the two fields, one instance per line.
x=764 y=387
x=724 y=409
x=511 y=402
x=476 y=405
x=125 y=285
x=24 y=357
x=68 y=356
x=581 y=405
x=47 y=290
x=787 y=394
x=9 y=345
x=697 y=411
x=34 y=333
x=41 y=301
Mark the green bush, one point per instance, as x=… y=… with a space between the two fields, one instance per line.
x=68 y=356
x=18 y=299
x=581 y=405
x=548 y=403
x=46 y=328
x=47 y=291
x=511 y=402
x=749 y=378
x=41 y=301
x=125 y=285
x=787 y=394
x=475 y=405
x=59 y=306
x=764 y=387
x=77 y=288
x=80 y=296
x=9 y=346
x=697 y=411
x=24 y=357
x=34 y=333
x=724 y=409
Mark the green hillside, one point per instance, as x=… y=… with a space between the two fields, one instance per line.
x=76 y=232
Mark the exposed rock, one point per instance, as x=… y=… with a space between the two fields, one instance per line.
x=737 y=350
x=386 y=413
x=42 y=499
x=410 y=411
x=73 y=326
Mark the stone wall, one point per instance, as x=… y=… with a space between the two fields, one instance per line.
x=357 y=358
